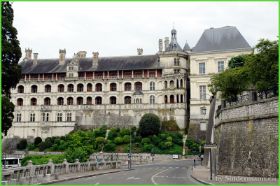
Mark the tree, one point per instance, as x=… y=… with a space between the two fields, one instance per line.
x=264 y=67
x=37 y=141
x=11 y=71
x=149 y=125
x=237 y=61
x=22 y=144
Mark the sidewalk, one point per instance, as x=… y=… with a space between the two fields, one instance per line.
x=66 y=177
x=202 y=174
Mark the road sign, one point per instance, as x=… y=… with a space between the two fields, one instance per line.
x=210 y=146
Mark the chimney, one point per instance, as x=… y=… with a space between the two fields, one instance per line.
x=160 y=46
x=82 y=54
x=35 y=58
x=95 y=59
x=28 y=53
x=140 y=51
x=62 y=54
x=166 y=43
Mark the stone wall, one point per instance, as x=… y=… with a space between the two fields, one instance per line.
x=247 y=139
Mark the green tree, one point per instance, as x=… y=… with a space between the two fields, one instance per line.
x=22 y=144
x=80 y=153
x=11 y=71
x=237 y=61
x=149 y=125
x=37 y=141
x=263 y=67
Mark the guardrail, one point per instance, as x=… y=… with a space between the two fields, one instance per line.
x=34 y=174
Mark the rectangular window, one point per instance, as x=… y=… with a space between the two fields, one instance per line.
x=201 y=68
x=18 y=117
x=176 y=71
x=202 y=91
x=69 y=117
x=32 y=117
x=220 y=66
x=59 y=117
x=71 y=75
x=203 y=111
x=45 y=117
x=71 y=68
x=176 y=62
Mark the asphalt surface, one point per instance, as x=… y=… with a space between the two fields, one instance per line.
x=167 y=172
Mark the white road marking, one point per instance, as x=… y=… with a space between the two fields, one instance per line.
x=152 y=178
x=132 y=178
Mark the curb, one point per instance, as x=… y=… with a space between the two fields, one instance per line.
x=83 y=176
x=201 y=181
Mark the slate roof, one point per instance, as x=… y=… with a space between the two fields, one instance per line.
x=186 y=47
x=221 y=39
x=85 y=64
x=173 y=45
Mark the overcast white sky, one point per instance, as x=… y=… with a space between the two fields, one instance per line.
x=119 y=28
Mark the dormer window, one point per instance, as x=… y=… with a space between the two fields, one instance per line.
x=71 y=68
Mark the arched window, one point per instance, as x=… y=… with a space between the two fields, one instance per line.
x=127 y=87
x=152 y=85
x=60 y=88
x=138 y=86
x=113 y=87
x=165 y=84
x=98 y=87
x=181 y=83
x=137 y=100
x=48 y=88
x=33 y=101
x=34 y=89
x=127 y=100
x=98 y=100
x=113 y=100
x=177 y=100
x=165 y=99
x=80 y=87
x=70 y=101
x=89 y=101
x=89 y=87
x=20 y=89
x=70 y=88
x=177 y=85
x=60 y=101
x=80 y=101
x=182 y=98
x=171 y=84
x=152 y=99
x=172 y=99
x=19 y=102
x=47 y=101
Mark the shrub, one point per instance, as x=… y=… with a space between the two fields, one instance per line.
x=149 y=125
x=146 y=140
x=112 y=134
x=22 y=144
x=193 y=146
x=168 y=144
x=148 y=147
x=37 y=141
x=80 y=153
x=31 y=146
x=124 y=132
x=126 y=139
x=155 y=140
x=100 y=132
x=169 y=138
x=42 y=159
x=118 y=140
x=170 y=125
x=110 y=147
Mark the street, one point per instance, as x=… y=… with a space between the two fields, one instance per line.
x=167 y=172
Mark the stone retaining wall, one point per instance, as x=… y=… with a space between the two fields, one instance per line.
x=247 y=139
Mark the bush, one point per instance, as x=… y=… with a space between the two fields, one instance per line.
x=124 y=132
x=149 y=125
x=43 y=159
x=126 y=139
x=170 y=125
x=146 y=140
x=168 y=144
x=193 y=146
x=118 y=140
x=112 y=134
x=80 y=153
x=37 y=141
x=31 y=146
x=22 y=144
x=148 y=147
x=155 y=140
x=110 y=147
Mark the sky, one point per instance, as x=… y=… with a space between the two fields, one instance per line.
x=119 y=28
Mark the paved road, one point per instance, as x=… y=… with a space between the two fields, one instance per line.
x=168 y=172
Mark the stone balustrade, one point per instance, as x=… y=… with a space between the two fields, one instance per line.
x=34 y=174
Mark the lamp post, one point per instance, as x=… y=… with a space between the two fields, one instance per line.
x=129 y=155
